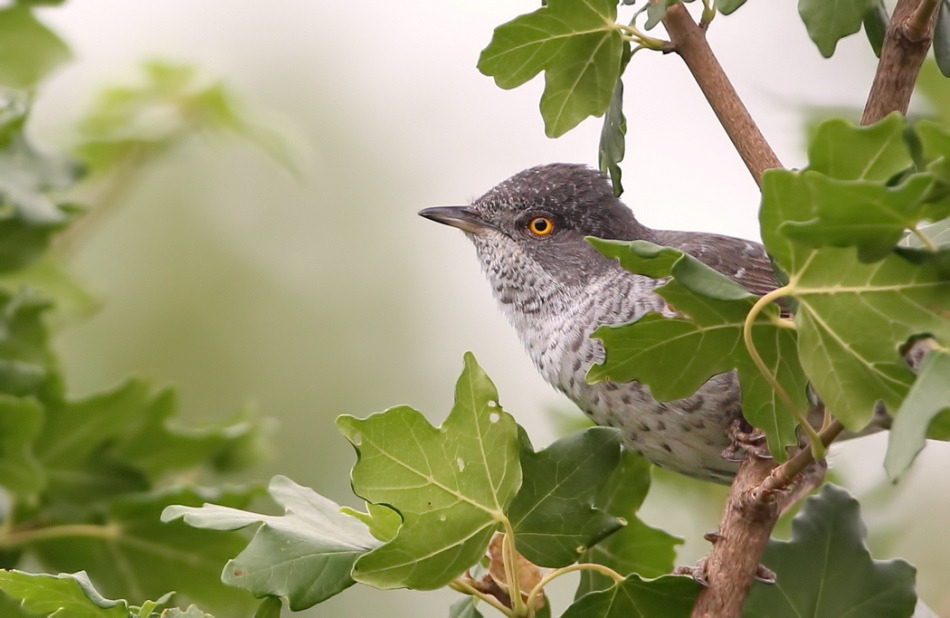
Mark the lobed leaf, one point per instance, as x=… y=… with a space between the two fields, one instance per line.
x=136 y=551
x=451 y=484
x=845 y=151
x=826 y=570
x=63 y=595
x=708 y=334
x=306 y=554
x=671 y=596
x=553 y=514
x=829 y=21
x=579 y=47
x=853 y=317
x=635 y=548
x=867 y=214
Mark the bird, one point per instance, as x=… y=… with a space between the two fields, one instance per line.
x=555 y=289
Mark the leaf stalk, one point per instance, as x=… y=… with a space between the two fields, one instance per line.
x=756 y=309
x=25 y=537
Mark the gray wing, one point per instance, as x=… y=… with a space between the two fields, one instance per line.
x=743 y=261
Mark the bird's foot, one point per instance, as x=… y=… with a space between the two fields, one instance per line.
x=697 y=572
x=744 y=440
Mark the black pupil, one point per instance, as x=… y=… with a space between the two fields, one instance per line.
x=540 y=225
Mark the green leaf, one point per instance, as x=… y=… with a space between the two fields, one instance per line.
x=28 y=215
x=134 y=550
x=464 y=608
x=727 y=7
x=671 y=596
x=451 y=484
x=852 y=320
x=928 y=397
x=846 y=151
x=852 y=317
x=27 y=366
x=28 y=50
x=269 y=608
x=826 y=571
x=640 y=256
x=579 y=47
x=20 y=422
x=875 y=25
x=941 y=42
x=129 y=124
x=305 y=554
x=553 y=515
x=635 y=548
x=709 y=332
x=829 y=21
x=867 y=214
x=613 y=134
x=63 y=595
x=124 y=438
x=382 y=521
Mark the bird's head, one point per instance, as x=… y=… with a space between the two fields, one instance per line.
x=529 y=230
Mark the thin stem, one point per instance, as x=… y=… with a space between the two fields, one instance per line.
x=635 y=35
x=115 y=187
x=25 y=537
x=462 y=585
x=583 y=566
x=757 y=308
x=510 y=560
x=709 y=13
x=786 y=473
x=923 y=238
x=920 y=20
x=689 y=41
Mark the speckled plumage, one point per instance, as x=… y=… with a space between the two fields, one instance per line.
x=556 y=289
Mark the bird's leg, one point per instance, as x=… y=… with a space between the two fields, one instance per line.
x=745 y=440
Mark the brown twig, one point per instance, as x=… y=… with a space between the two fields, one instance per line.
x=689 y=41
x=906 y=42
x=746 y=526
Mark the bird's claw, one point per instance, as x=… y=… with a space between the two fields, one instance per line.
x=745 y=440
x=697 y=572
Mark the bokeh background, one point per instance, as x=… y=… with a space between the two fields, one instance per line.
x=325 y=294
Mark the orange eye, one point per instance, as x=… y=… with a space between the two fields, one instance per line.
x=541 y=226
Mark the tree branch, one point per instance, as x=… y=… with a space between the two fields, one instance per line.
x=746 y=526
x=906 y=42
x=689 y=41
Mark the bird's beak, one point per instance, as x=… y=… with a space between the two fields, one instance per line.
x=462 y=217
